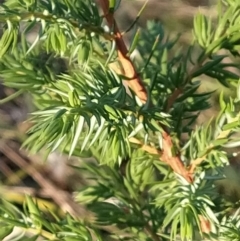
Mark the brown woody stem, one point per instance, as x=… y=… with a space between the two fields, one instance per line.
x=136 y=84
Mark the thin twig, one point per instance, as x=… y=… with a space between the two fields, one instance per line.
x=173 y=97
x=61 y=198
x=166 y=156
x=223 y=134
x=154 y=236
x=134 y=80
x=136 y=19
x=178 y=91
x=136 y=84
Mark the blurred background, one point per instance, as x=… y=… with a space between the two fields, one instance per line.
x=21 y=173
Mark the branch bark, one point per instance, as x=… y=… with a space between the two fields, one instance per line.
x=136 y=84
x=127 y=68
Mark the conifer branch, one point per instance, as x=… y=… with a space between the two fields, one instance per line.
x=128 y=69
x=136 y=84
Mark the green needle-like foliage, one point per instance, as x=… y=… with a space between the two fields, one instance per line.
x=84 y=107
